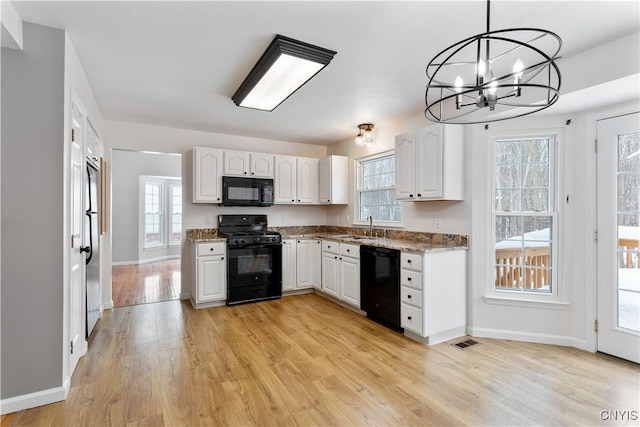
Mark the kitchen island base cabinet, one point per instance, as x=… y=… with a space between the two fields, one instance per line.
x=209 y=274
x=433 y=295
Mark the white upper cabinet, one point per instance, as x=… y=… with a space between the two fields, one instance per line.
x=429 y=164
x=296 y=180
x=333 y=180
x=307 y=180
x=207 y=175
x=243 y=163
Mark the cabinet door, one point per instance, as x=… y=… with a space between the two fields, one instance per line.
x=285 y=180
x=430 y=158
x=330 y=274
x=289 y=264
x=207 y=175
x=350 y=280
x=303 y=261
x=405 y=166
x=307 y=180
x=325 y=181
x=212 y=278
x=315 y=264
x=236 y=163
x=261 y=165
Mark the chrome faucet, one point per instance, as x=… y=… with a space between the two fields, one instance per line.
x=370 y=226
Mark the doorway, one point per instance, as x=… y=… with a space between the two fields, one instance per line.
x=147 y=227
x=618 y=224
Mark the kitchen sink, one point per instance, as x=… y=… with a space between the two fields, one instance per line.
x=351 y=236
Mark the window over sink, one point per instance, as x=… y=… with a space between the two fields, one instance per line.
x=375 y=190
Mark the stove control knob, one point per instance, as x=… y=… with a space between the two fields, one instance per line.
x=257 y=239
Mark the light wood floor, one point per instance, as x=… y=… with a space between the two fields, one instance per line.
x=145 y=283
x=303 y=360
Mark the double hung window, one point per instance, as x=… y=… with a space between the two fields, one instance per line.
x=375 y=196
x=161 y=210
x=525 y=216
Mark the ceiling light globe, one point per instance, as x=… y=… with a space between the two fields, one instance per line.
x=369 y=145
x=359 y=140
x=368 y=136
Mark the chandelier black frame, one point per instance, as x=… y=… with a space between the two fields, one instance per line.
x=454 y=102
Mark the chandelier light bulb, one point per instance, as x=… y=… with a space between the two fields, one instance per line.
x=359 y=140
x=369 y=145
x=458 y=84
x=481 y=68
x=368 y=136
x=518 y=66
x=493 y=87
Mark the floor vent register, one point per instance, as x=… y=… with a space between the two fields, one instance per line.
x=463 y=345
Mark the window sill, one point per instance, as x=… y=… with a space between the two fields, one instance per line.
x=524 y=302
x=378 y=224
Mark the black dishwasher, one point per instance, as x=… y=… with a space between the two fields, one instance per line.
x=380 y=285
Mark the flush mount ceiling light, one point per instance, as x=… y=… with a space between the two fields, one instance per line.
x=488 y=70
x=283 y=68
x=365 y=136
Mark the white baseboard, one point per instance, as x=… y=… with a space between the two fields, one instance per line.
x=107 y=305
x=450 y=334
x=185 y=295
x=145 y=261
x=32 y=400
x=528 y=337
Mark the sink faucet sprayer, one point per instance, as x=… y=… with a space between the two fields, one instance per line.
x=370 y=226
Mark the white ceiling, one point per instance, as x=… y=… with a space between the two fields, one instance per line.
x=178 y=63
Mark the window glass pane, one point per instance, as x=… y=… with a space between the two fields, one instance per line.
x=508 y=200
x=508 y=152
x=376 y=190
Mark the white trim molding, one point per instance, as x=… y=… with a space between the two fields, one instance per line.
x=523 y=302
x=32 y=400
x=145 y=261
x=528 y=337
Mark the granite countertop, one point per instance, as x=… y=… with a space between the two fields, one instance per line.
x=402 y=245
x=428 y=243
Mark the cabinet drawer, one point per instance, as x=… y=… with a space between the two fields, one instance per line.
x=410 y=278
x=217 y=248
x=350 y=250
x=411 y=261
x=411 y=318
x=332 y=247
x=411 y=296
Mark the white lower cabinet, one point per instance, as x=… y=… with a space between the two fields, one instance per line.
x=301 y=264
x=341 y=271
x=209 y=274
x=289 y=264
x=433 y=294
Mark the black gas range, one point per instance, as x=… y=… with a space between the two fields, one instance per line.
x=254 y=254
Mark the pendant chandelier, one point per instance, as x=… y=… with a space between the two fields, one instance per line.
x=488 y=72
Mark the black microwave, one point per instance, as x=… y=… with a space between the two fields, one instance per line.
x=241 y=191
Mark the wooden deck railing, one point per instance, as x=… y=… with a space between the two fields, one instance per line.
x=509 y=271
x=628 y=250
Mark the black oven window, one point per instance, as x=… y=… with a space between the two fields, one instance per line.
x=250 y=264
x=244 y=193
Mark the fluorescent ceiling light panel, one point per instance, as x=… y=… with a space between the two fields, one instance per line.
x=284 y=67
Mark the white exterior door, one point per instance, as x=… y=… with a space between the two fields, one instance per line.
x=618 y=218
x=77 y=258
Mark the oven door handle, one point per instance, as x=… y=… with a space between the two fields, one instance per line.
x=273 y=245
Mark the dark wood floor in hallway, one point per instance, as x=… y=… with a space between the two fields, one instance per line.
x=145 y=283
x=304 y=360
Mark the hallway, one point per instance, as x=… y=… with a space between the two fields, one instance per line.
x=145 y=283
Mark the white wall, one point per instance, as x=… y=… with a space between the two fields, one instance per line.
x=416 y=216
x=32 y=213
x=138 y=137
x=127 y=167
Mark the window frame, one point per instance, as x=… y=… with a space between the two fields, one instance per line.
x=173 y=184
x=358 y=190
x=503 y=296
x=166 y=211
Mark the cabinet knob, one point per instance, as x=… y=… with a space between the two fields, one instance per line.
x=419 y=195
x=335 y=257
x=409 y=261
x=340 y=258
x=348 y=250
x=409 y=317
x=328 y=200
x=252 y=173
x=409 y=279
x=211 y=249
x=218 y=198
x=298 y=200
x=245 y=173
x=292 y=200
x=409 y=296
x=410 y=195
x=221 y=257
x=328 y=246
